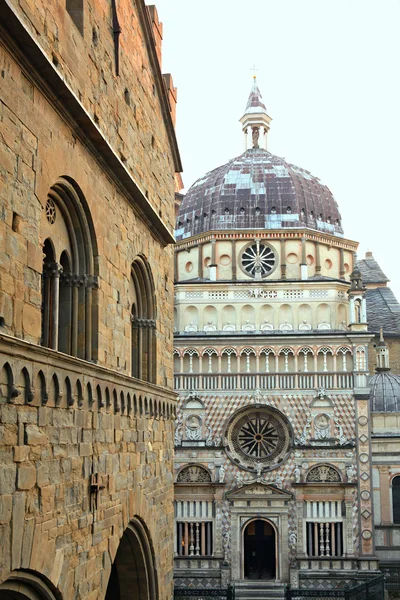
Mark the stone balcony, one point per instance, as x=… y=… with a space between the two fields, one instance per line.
x=265 y=381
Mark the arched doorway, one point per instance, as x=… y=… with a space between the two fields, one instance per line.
x=24 y=585
x=133 y=573
x=259 y=550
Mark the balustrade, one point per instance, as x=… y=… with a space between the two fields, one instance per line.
x=194 y=538
x=264 y=381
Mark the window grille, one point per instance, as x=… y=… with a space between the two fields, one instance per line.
x=194 y=538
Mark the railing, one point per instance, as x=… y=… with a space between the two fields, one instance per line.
x=391 y=573
x=371 y=589
x=264 y=381
x=204 y=593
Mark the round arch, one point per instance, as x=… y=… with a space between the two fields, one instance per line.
x=70 y=270
x=23 y=585
x=143 y=320
x=260 y=552
x=133 y=572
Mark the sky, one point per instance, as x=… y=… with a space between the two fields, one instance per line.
x=329 y=74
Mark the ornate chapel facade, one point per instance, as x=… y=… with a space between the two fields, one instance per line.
x=272 y=443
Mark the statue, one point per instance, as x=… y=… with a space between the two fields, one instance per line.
x=351 y=473
x=342 y=438
x=257 y=396
x=259 y=469
x=239 y=478
x=209 y=438
x=297 y=474
x=278 y=481
x=255 y=136
x=221 y=476
x=178 y=430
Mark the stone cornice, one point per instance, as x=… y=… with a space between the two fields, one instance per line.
x=267 y=234
x=47 y=77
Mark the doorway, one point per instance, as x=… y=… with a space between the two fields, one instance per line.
x=133 y=572
x=259 y=545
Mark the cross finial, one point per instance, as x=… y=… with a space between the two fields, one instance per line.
x=254 y=69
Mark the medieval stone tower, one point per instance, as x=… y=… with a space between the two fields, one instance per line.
x=87 y=162
x=273 y=462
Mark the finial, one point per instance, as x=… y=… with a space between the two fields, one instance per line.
x=254 y=69
x=381 y=335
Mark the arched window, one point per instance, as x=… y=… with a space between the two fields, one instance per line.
x=69 y=272
x=396 y=499
x=143 y=323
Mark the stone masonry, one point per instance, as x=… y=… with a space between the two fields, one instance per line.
x=85 y=448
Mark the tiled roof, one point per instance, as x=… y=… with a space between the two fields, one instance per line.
x=383 y=310
x=371 y=271
x=257 y=190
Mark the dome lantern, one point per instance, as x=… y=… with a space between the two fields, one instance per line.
x=255 y=121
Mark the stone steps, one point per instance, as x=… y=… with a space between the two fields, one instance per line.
x=261 y=590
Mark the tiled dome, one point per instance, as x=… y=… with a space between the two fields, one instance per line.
x=257 y=190
x=385 y=392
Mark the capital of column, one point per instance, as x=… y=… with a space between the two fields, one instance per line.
x=52 y=270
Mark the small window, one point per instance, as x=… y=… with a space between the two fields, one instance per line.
x=324 y=538
x=194 y=538
x=75 y=11
x=396 y=500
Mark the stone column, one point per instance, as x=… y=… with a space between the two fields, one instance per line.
x=46 y=305
x=213 y=265
x=317 y=258
x=176 y=273
x=55 y=309
x=234 y=265
x=303 y=265
x=75 y=311
x=342 y=272
x=90 y=282
x=218 y=529
x=283 y=259
x=384 y=493
x=200 y=260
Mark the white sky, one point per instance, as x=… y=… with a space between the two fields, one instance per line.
x=329 y=73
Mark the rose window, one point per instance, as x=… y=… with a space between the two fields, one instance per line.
x=258 y=260
x=258 y=436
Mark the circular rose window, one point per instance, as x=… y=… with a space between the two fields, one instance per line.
x=258 y=260
x=259 y=435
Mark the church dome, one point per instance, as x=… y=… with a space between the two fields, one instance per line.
x=385 y=392
x=258 y=190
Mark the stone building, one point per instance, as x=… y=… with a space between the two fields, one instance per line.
x=88 y=157
x=272 y=443
x=385 y=447
x=383 y=311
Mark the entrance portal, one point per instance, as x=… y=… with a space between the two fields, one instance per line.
x=259 y=544
x=133 y=573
